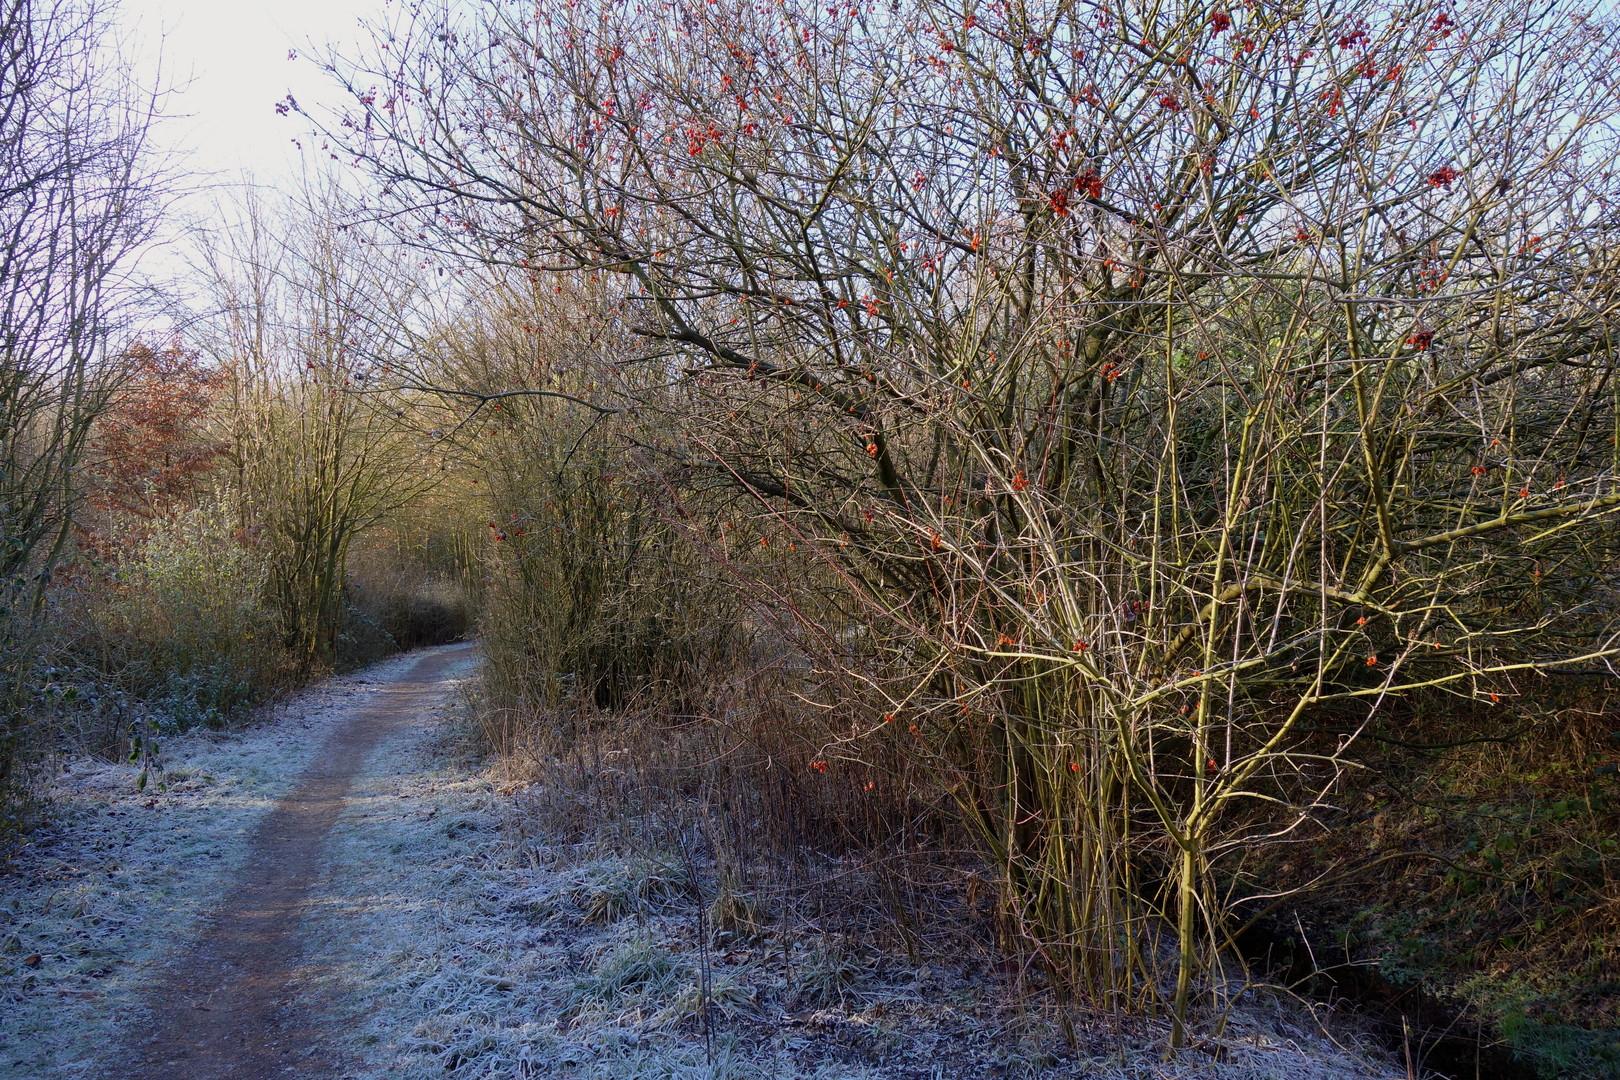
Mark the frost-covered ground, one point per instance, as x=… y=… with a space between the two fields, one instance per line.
x=455 y=947
x=460 y=950
x=117 y=884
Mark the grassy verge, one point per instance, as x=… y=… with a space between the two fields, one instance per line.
x=1492 y=880
x=565 y=917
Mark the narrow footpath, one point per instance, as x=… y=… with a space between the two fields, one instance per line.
x=347 y=890
x=231 y=1006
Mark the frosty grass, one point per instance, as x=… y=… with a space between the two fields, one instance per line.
x=452 y=948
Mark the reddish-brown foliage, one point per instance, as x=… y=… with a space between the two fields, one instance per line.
x=149 y=449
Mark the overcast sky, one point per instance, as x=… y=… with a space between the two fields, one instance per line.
x=231 y=58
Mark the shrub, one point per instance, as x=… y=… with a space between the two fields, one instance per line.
x=182 y=621
x=1130 y=397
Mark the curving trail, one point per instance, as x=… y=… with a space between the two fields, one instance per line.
x=226 y=1008
x=346 y=890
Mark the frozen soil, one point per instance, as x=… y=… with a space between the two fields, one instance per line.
x=102 y=915
x=436 y=937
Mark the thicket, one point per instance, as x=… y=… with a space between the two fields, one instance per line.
x=180 y=507
x=77 y=197
x=1102 y=417
x=243 y=511
x=1159 y=446
x=235 y=481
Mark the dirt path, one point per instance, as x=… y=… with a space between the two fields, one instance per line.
x=347 y=890
x=227 y=1008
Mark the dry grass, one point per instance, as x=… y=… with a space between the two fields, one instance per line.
x=842 y=937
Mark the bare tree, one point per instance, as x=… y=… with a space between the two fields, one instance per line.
x=77 y=198
x=306 y=312
x=1153 y=378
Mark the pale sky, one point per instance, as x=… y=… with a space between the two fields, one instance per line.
x=231 y=57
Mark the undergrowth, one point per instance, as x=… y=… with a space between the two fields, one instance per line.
x=530 y=932
x=803 y=889
x=1474 y=863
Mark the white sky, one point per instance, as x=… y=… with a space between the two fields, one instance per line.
x=230 y=56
